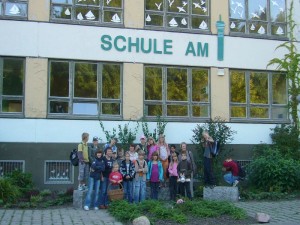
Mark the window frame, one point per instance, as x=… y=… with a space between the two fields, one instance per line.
x=12 y=17
x=269 y=22
x=12 y=97
x=270 y=105
x=189 y=103
x=71 y=99
x=165 y=15
x=73 y=19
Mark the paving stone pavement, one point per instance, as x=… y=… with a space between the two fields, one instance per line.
x=61 y=216
x=281 y=212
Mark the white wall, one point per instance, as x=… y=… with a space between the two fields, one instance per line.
x=38 y=39
x=69 y=131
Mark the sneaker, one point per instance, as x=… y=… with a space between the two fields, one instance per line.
x=96 y=208
x=86 y=208
x=80 y=188
x=235 y=183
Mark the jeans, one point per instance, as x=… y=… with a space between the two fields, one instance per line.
x=229 y=178
x=173 y=187
x=139 y=190
x=104 y=196
x=93 y=184
x=185 y=187
x=128 y=190
x=208 y=172
x=154 y=190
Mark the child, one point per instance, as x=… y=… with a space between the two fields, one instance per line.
x=184 y=170
x=133 y=154
x=128 y=171
x=108 y=167
x=155 y=174
x=120 y=156
x=232 y=177
x=115 y=177
x=173 y=176
x=96 y=170
x=141 y=170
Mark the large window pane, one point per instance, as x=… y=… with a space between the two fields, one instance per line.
x=153 y=83
x=176 y=84
x=279 y=89
x=13 y=76
x=111 y=81
x=18 y=9
x=200 y=85
x=259 y=88
x=85 y=82
x=59 y=79
x=238 y=87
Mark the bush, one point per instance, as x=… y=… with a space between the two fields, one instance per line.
x=21 y=180
x=270 y=171
x=9 y=193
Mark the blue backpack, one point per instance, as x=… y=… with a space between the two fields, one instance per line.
x=215 y=148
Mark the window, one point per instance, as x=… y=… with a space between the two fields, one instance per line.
x=178 y=14
x=85 y=89
x=88 y=11
x=12 y=72
x=58 y=172
x=258 y=17
x=258 y=95
x=176 y=92
x=12 y=9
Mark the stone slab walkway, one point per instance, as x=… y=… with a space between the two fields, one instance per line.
x=281 y=212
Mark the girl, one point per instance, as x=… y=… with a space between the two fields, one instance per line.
x=184 y=170
x=155 y=175
x=96 y=170
x=133 y=154
x=141 y=169
x=173 y=176
x=127 y=170
x=152 y=147
x=115 y=177
x=164 y=153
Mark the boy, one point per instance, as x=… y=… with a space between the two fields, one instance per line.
x=141 y=170
x=83 y=155
x=184 y=170
x=232 y=177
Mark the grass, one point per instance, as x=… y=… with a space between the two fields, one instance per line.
x=156 y=210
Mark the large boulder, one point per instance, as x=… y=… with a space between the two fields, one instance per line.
x=142 y=220
x=262 y=217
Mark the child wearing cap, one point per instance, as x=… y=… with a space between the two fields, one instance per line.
x=93 y=148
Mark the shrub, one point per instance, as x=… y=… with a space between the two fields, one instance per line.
x=21 y=180
x=9 y=193
x=270 y=171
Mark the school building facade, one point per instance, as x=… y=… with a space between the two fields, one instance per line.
x=66 y=64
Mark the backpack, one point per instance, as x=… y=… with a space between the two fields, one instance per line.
x=242 y=172
x=74 y=157
x=215 y=148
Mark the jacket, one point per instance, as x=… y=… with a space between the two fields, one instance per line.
x=96 y=169
x=185 y=165
x=160 y=170
x=124 y=172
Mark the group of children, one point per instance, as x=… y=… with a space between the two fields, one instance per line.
x=145 y=162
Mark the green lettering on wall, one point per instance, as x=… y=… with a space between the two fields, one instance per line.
x=167 y=46
x=143 y=48
x=190 y=49
x=106 y=42
x=155 y=51
x=120 y=49
x=202 y=51
x=132 y=44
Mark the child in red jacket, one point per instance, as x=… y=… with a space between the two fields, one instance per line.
x=232 y=177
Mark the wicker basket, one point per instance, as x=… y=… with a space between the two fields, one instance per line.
x=117 y=194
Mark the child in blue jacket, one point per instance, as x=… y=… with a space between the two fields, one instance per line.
x=155 y=175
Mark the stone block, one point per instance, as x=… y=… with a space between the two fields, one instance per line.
x=142 y=220
x=262 y=217
x=79 y=198
x=221 y=193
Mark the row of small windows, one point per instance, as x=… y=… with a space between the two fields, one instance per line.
x=249 y=17
x=80 y=89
